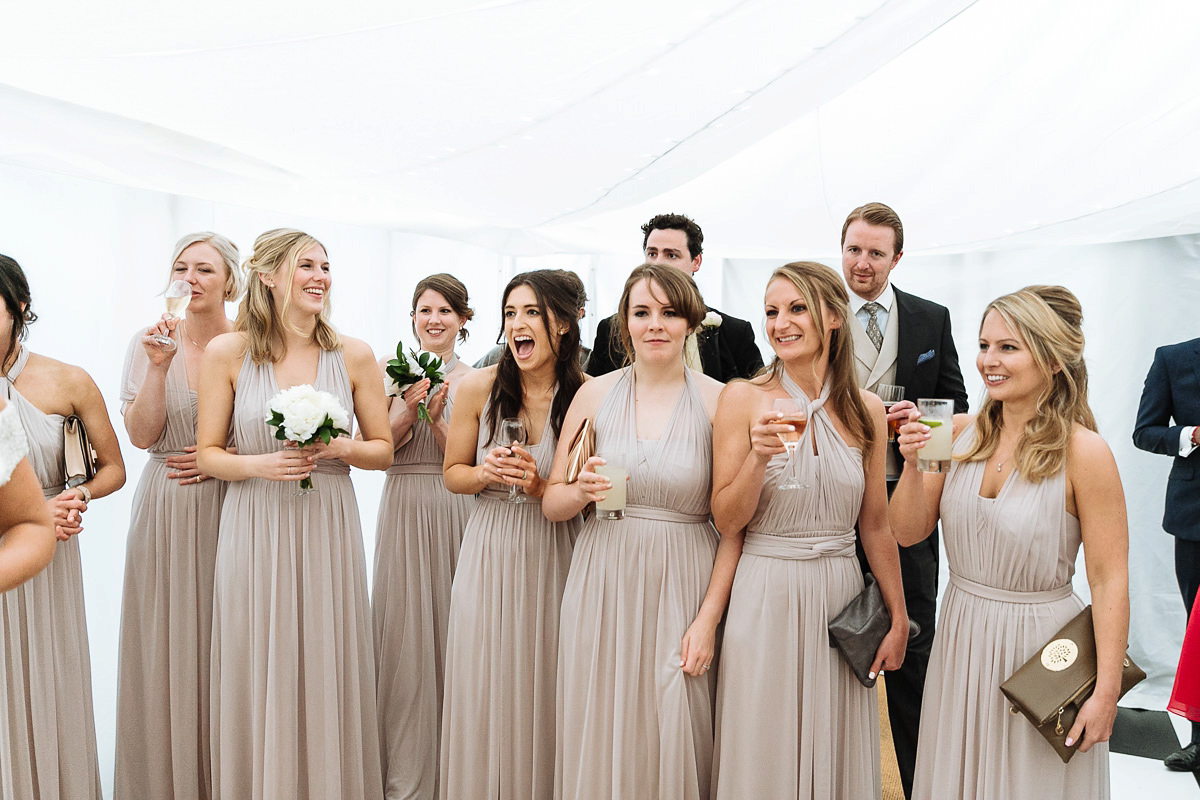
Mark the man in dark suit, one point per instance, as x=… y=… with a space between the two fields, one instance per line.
x=901 y=340
x=723 y=347
x=1172 y=394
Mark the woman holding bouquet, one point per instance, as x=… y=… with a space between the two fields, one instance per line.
x=417 y=539
x=502 y=651
x=293 y=684
x=162 y=698
x=47 y=731
x=636 y=678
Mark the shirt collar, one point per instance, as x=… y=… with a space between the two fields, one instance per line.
x=886 y=299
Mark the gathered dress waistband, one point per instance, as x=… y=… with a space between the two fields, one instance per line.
x=664 y=515
x=415 y=469
x=1007 y=595
x=827 y=544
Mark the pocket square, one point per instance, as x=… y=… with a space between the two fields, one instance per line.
x=926 y=356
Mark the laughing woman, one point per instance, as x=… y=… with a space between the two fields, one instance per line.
x=417 y=540
x=47 y=732
x=642 y=602
x=502 y=653
x=166 y=616
x=293 y=678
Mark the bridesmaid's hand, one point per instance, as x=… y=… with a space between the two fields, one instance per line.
x=156 y=353
x=593 y=487
x=289 y=464
x=912 y=436
x=436 y=405
x=764 y=436
x=339 y=447
x=66 y=512
x=698 y=647
x=413 y=396
x=890 y=655
x=522 y=471
x=184 y=466
x=1094 y=723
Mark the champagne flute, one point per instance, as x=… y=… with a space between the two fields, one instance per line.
x=178 y=295
x=512 y=431
x=791 y=412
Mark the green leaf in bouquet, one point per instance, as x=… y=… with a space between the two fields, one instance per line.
x=325 y=437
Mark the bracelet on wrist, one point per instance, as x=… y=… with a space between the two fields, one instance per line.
x=85 y=494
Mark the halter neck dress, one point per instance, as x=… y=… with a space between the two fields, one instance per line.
x=1011 y=560
x=631 y=722
x=47 y=723
x=293 y=673
x=792 y=720
x=418 y=535
x=166 y=609
x=498 y=729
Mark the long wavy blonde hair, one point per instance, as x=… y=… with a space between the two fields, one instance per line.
x=1049 y=320
x=824 y=293
x=276 y=253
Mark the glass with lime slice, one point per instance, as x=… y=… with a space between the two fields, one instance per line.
x=939 y=416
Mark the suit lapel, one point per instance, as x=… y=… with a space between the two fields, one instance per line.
x=907 y=341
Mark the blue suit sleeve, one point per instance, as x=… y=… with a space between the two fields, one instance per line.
x=1153 y=431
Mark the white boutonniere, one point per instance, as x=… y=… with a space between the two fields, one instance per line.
x=711 y=320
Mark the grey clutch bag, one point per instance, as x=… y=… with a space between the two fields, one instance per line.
x=859 y=630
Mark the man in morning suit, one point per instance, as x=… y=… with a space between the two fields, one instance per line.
x=723 y=347
x=1172 y=394
x=902 y=340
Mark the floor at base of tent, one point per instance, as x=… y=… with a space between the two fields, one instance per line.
x=1141 y=740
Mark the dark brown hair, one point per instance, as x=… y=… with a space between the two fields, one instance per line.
x=558 y=301
x=14 y=289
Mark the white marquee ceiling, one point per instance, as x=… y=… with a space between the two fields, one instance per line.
x=539 y=126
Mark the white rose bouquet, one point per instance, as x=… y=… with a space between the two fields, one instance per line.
x=305 y=416
x=402 y=373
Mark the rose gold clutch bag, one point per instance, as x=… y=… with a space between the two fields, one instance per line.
x=583 y=447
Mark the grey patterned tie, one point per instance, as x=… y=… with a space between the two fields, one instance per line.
x=873 y=324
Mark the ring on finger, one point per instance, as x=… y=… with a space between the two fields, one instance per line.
x=524 y=474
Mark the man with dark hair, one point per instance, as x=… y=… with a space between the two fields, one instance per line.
x=901 y=340
x=1172 y=395
x=723 y=348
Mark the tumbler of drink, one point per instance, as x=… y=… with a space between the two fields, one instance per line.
x=890 y=395
x=613 y=504
x=939 y=416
